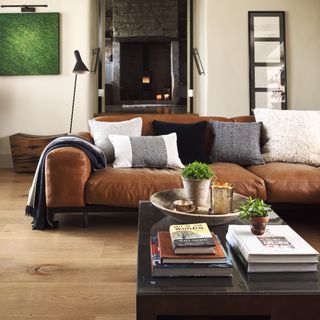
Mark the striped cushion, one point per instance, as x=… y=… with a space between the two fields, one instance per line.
x=146 y=151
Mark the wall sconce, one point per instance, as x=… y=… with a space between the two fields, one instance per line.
x=95 y=60
x=24 y=7
x=198 y=61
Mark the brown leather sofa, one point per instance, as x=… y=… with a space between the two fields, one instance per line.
x=72 y=186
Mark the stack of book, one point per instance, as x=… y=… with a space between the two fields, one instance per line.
x=279 y=249
x=189 y=250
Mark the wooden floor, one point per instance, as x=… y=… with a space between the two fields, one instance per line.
x=71 y=272
x=68 y=273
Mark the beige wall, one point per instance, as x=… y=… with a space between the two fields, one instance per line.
x=42 y=104
x=222 y=37
x=200 y=42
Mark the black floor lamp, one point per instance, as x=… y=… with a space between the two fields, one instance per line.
x=79 y=68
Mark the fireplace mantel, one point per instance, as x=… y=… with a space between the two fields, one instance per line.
x=145 y=39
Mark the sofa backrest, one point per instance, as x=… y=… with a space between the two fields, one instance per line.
x=147 y=127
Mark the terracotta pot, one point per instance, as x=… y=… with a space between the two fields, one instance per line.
x=197 y=190
x=258 y=225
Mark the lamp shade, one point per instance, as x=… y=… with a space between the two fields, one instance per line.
x=79 y=67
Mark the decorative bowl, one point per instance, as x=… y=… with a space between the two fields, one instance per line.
x=163 y=200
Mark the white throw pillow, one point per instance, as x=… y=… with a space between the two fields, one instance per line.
x=146 y=151
x=100 y=131
x=290 y=135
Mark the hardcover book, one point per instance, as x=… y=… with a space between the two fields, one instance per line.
x=279 y=244
x=159 y=269
x=190 y=235
x=266 y=267
x=168 y=256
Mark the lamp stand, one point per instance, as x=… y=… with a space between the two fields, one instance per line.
x=73 y=99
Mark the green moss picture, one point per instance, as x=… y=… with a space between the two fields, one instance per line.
x=29 y=43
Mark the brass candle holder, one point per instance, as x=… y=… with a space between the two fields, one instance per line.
x=183 y=205
x=221 y=198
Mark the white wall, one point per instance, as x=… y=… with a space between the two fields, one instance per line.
x=42 y=104
x=223 y=27
x=200 y=42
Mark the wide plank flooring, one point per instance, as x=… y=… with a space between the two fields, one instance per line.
x=66 y=273
x=72 y=272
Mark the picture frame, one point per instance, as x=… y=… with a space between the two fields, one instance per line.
x=267 y=60
x=30 y=44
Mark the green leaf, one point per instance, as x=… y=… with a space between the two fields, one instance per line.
x=197 y=170
x=254 y=207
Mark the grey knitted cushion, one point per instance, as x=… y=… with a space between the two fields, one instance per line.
x=236 y=142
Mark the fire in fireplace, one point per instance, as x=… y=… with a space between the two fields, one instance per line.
x=146 y=79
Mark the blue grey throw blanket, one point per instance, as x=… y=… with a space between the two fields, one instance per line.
x=36 y=206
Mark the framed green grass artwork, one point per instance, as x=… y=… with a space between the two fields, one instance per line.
x=29 y=43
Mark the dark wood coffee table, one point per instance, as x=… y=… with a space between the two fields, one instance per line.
x=275 y=296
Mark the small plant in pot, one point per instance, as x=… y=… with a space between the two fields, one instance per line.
x=256 y=211
x=196 y=178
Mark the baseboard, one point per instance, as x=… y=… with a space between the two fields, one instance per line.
x=6 y=161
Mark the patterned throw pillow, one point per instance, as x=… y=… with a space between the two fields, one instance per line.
x=146 y=151
x=101 y=130
x=236 y=142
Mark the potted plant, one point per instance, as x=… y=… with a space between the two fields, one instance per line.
x=256 y=211
x=196 y=178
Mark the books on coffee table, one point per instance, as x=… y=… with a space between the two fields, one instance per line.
x=191 y=238
x=168 y=256
x=279 y=249
x=159 y=269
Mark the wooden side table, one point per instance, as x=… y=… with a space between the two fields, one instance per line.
x=26 y=150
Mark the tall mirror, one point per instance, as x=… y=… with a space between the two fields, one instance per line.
x=268 y=80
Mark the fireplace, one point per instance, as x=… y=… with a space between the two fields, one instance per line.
x=146 y=46
x=146 y=71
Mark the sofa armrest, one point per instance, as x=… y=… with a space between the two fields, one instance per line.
x=67 y=171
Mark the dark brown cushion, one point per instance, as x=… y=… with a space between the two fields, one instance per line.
x=289 y=182
x=125 y=187
x=244 y=182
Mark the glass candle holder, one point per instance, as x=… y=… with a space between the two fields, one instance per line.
x=221 y=197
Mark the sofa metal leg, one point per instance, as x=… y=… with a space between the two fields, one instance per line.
x=50 y=218
x=85 y=219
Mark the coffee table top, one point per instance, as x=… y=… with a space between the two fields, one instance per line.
x=151 y=220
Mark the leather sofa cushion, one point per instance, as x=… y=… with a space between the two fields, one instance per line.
x=290 y=183
x=124 y=187
x=244 y=182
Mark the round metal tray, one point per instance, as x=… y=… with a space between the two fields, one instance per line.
x=163 y=201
